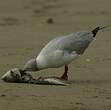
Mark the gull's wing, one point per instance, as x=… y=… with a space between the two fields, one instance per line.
x=74 y=42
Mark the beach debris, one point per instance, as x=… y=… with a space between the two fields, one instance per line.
x=17 y=76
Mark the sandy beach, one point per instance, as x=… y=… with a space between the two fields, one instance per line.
x=27 y=25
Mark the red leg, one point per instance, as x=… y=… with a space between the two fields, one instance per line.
x=65 y=76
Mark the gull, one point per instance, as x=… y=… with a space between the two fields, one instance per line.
x=61 y=51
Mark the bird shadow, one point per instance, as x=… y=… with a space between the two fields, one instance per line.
x=89 y=81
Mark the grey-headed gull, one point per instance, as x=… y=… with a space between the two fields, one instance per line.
x=61 y=51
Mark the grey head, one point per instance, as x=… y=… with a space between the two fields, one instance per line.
x=95 y=31
x=31 y=65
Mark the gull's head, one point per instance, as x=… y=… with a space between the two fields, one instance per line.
x=31 y=65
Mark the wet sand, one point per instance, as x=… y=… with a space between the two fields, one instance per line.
x=27 y=25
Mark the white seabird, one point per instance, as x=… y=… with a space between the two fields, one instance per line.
x=62 y=51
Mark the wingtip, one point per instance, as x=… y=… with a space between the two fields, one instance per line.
x=103 y=27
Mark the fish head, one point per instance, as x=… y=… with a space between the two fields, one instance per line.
x=11 y=75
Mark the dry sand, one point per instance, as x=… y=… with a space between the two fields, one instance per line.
x=26 y=26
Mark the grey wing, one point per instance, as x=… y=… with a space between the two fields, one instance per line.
x=53 y=45
x=76 y=42
x=73 y=42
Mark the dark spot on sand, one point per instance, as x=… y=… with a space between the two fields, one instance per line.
x=37 y=11
x=96 y=96
x=3 y=95
x=108 y=98
x=106 y=59
x=50 y=20
x=79 y=103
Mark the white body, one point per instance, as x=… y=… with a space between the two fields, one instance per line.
x=61 y=50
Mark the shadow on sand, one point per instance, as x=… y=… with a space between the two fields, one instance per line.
x=89 y=81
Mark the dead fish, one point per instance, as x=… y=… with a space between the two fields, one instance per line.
x=51 y=81
x=16 y=75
